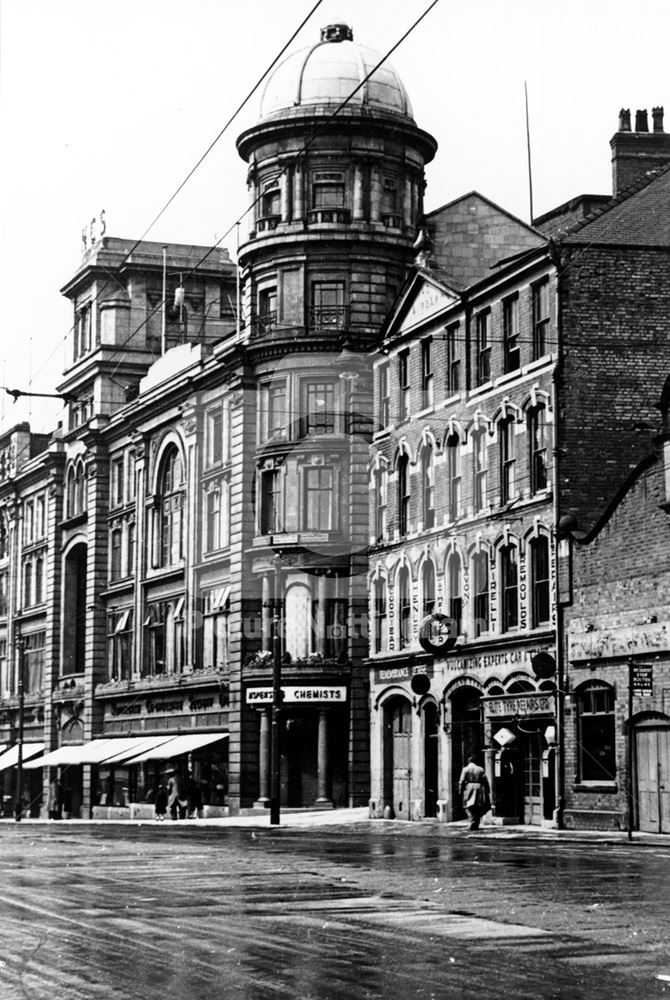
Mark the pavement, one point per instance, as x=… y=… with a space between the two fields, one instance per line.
x=311 y=819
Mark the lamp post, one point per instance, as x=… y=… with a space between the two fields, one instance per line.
x=276 y=696
x=18 y=805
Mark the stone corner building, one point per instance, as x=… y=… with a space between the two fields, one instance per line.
x=213 y=476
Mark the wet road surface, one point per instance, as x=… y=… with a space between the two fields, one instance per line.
x=338 y=913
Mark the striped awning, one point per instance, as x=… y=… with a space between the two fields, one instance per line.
x=177 y=745
x=10 y=758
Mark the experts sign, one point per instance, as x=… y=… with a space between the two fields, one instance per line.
x=305 y=695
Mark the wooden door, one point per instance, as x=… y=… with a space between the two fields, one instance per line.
x=532 y=780
x=401 y=736
x=653 y=779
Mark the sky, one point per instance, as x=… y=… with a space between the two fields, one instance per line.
x=108 y=104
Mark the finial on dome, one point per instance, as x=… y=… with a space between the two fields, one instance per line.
x=337 y=33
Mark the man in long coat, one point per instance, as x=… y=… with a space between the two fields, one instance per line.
x=473 y=785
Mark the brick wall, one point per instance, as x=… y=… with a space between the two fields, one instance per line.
x=615 y=304
x=621 y=588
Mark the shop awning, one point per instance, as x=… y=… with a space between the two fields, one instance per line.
x=63 y=755
x=10 y=758
x=178 y=745
x=139 y=745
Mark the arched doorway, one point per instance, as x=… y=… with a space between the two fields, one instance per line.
x=430 y=758
x=467 y=736
x=652 y=755
x=397 y=756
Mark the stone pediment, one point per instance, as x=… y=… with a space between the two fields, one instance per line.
x=423 y=300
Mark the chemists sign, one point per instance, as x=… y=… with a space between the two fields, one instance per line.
x=306 y=695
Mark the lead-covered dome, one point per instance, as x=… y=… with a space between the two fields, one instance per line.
x=324 y=75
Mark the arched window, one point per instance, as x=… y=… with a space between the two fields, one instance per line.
x=507 y=459
x=480 y=592
x=74 y=490
x=403 y=494
x=171 y=509
x=479 y=469
x=299 y=635
x=404 y=608
x=428 y=486
x=455 y=593
x=79 y=483
x=454 y=475
x=428 y=587
x=509 y=587
x=380 y=501
x=379 y=612
x=595 y=719
x=538 y=448
x=39 y=580
x=540 y=582
x=27 y=584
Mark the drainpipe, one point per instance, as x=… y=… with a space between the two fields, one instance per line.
x=559 y=539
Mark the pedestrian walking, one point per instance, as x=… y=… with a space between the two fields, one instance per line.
x=55 y=800
x=473 y=786
x=177 y=800
x=161 y=803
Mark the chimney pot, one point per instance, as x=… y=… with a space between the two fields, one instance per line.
x=657 y=116
x=624 y=120
x=641 y=121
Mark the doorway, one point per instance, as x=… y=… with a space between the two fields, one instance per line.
x=466 y=737
x=397 y=756
x=533 y=809
x=652 y=746
x=430 y=756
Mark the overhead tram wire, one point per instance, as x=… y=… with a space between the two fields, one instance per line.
x=302 y=152
x=190 y=173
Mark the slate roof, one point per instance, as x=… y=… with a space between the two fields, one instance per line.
x=638 y=216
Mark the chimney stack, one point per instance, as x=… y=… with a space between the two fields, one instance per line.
x=641 y=121
x=635 y=153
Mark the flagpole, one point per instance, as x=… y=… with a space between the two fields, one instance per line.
x=530 y=168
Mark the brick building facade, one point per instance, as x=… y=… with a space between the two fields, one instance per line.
x=617 y=744
x=519 y=366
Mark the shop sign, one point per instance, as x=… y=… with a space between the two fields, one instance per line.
x=175 y=705
x=525 y=704
x=263 y=696
x=625 y=641
x=500 y=660
x=391 y=675
x=642 y=679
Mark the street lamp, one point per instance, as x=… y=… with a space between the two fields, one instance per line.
x=276 y=696
x=18 y=805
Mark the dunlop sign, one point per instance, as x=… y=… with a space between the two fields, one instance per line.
x=263 y=696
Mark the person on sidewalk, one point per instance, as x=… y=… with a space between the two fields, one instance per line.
x=473 y=786
x=161 y=803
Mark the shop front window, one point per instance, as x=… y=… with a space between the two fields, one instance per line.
x=595 y=709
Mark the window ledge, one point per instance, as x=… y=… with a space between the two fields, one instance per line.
x=74 y=520
x=608 y=787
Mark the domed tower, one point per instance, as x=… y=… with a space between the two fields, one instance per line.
x=336 y=197
x=336 y=192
